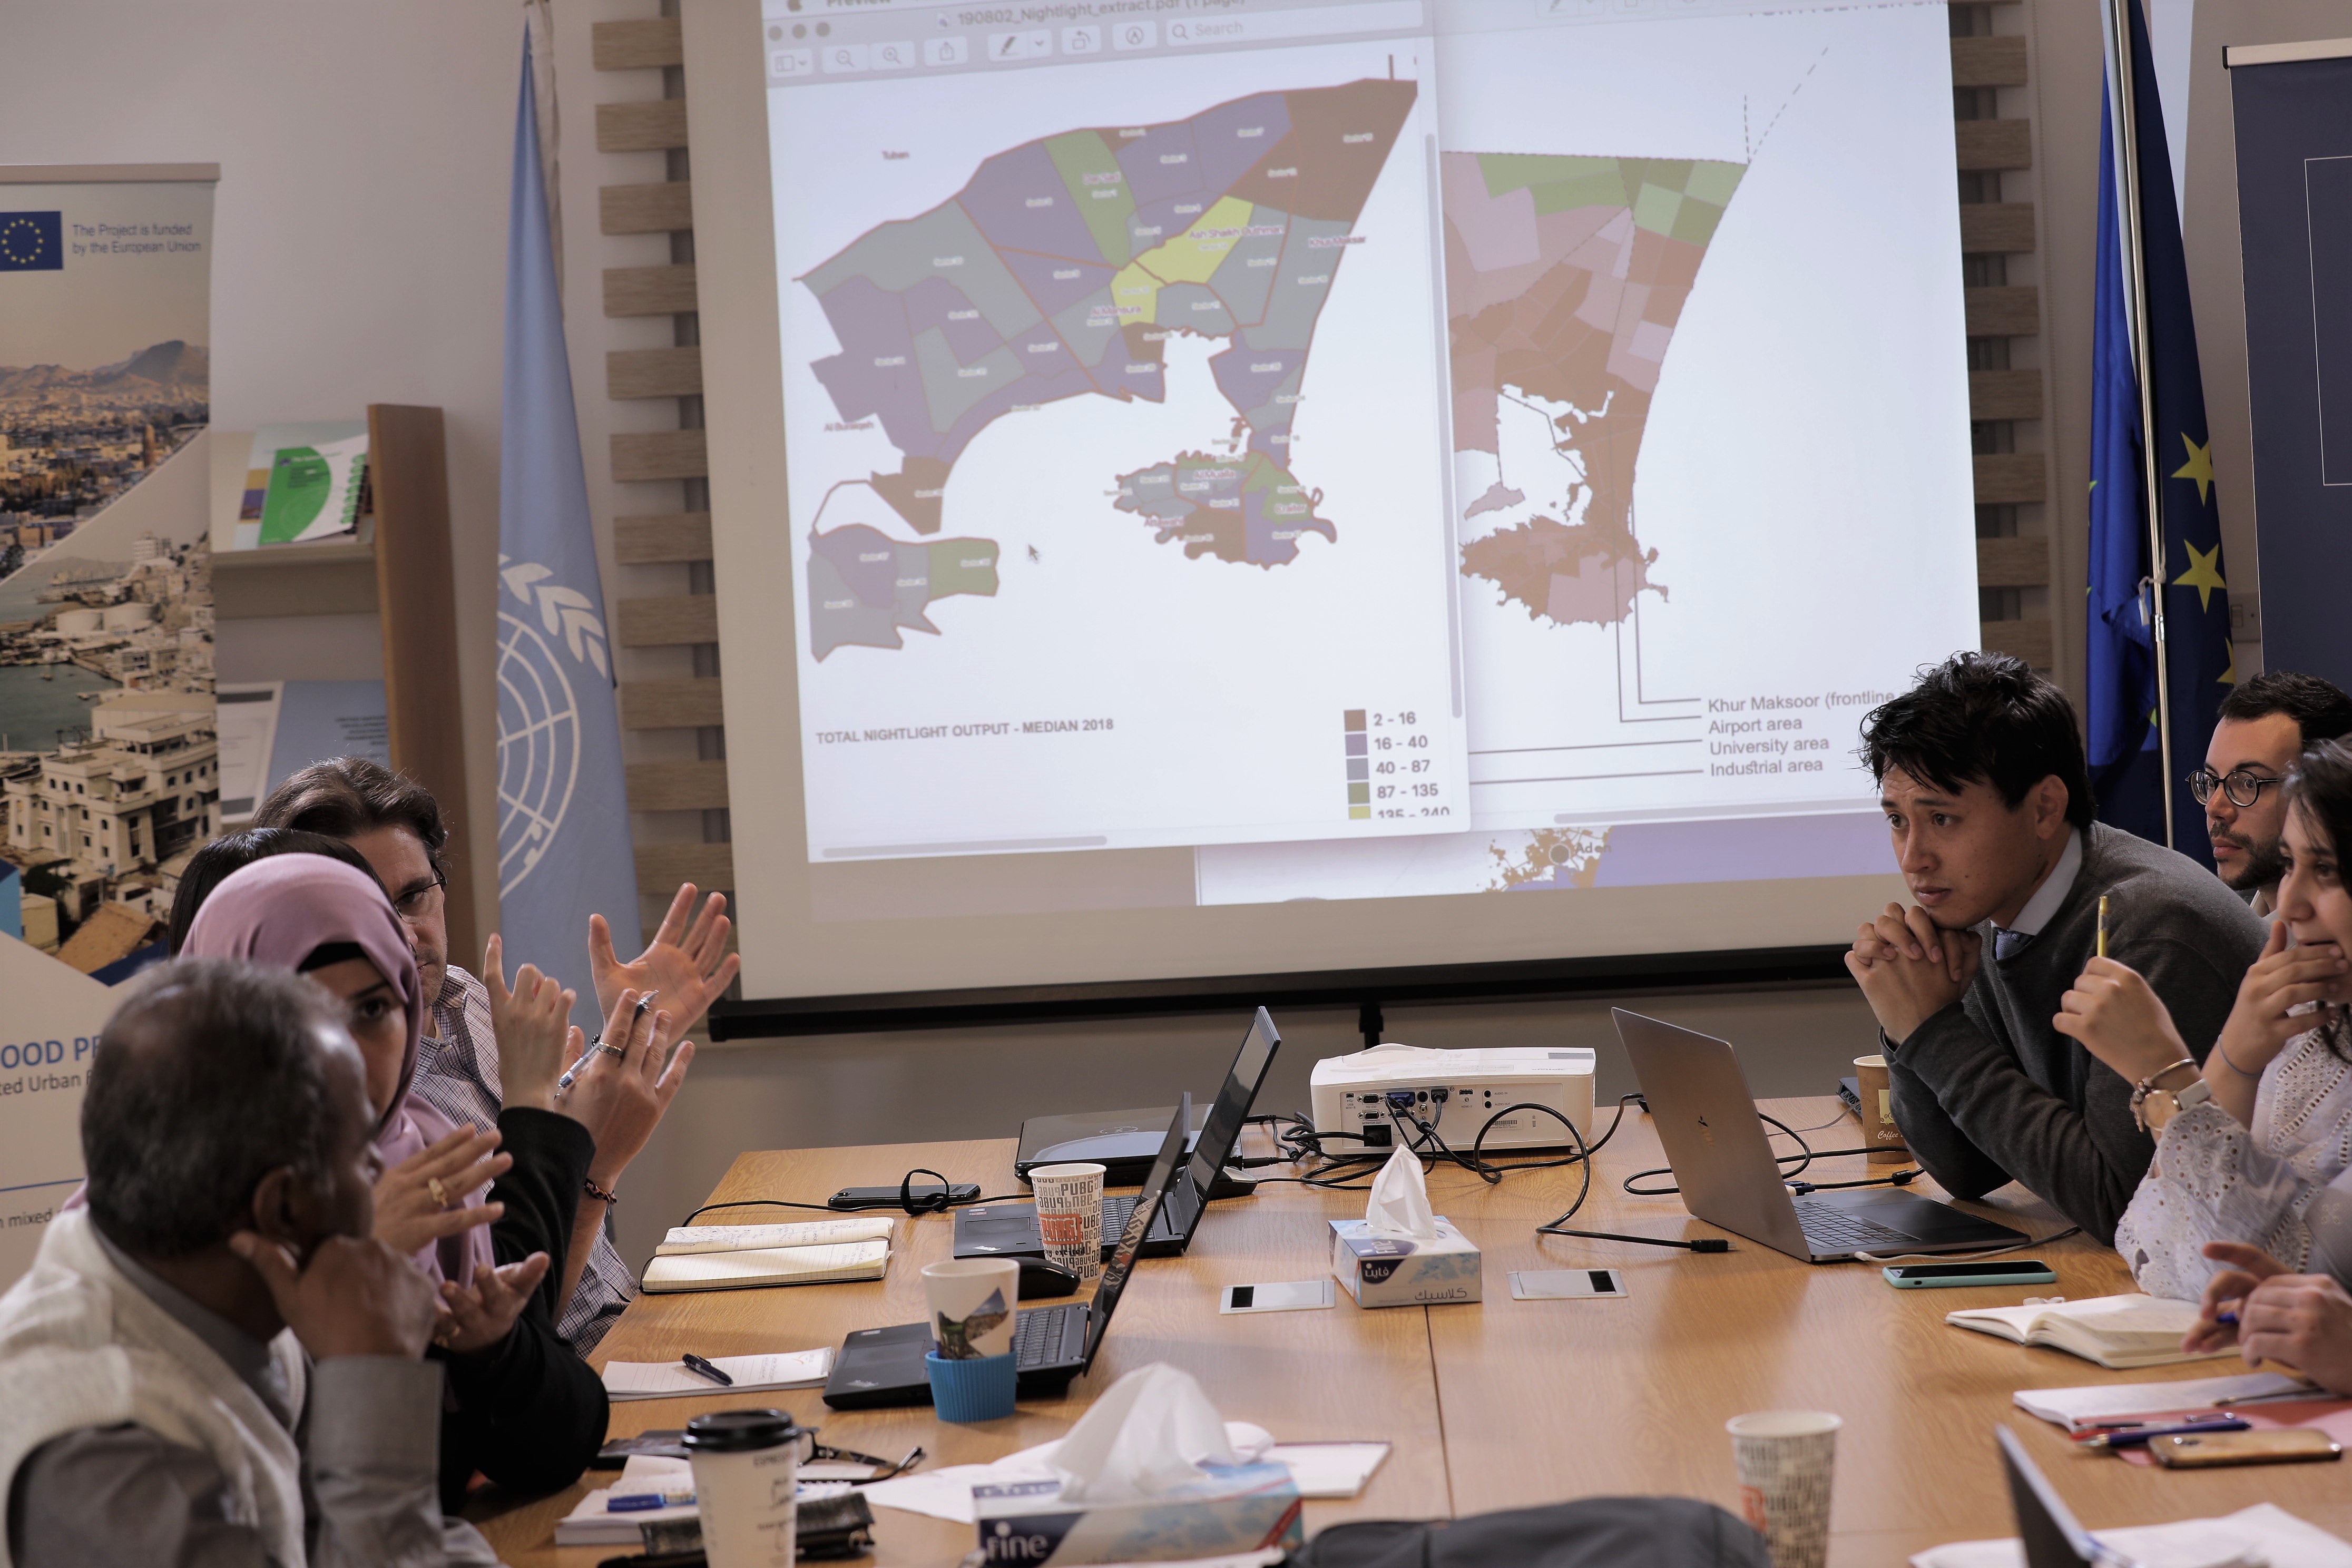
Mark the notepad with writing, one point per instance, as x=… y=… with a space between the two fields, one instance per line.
x=2115 y=1332
x=768 y=1266
x=667 y=1379
x=686 y=1239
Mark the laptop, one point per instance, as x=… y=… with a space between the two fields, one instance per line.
x=2046 y=1529
x=1707 y=1121
x=1010 y=1230
x=1054 y=1346
x=1121 y=1142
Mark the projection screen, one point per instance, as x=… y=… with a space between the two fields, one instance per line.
x=1214 y=487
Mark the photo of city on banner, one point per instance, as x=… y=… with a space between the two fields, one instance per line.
x=108 y=749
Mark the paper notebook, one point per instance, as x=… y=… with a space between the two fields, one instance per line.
x=2078 y=1409
x=692 y=1238
x=669 y=1379
x=768 y=1266
x=2116 y=1331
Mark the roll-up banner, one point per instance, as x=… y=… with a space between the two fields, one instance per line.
x=109 y=761
x=2293 y=105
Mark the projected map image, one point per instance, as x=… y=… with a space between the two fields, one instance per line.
x=1565 y=277
x=1061 y=271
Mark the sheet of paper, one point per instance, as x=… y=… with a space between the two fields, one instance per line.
x=321 y=718
x=1329 y=1469
x=2075 y=1409
x=246 y=723
x=692 y=1238
x=2263 y=1534
x=663 y=1380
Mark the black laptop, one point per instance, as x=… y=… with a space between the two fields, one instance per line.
x=2046 y=1530
x=1010 y=1230
x=1053 y=1344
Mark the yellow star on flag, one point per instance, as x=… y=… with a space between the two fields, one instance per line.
x=2200 y=467
x=2230 y=675
x=2204 y=572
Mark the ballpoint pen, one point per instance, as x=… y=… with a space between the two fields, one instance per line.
x=2102 y=925
x=2142 y=1436
x=696 y=1364
x=576 y=1068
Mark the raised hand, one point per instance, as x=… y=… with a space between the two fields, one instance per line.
x=355 y=1296
x=2258 y=1026
x=1909 y=969
x=477 y=1319
x=411 y=1215
x=2120 y=1020
x=689 y=963
x=627 y=1084
x=533 y=1023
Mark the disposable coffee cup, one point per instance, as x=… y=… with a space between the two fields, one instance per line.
x=747 y=1471
x=1879 y=1133
x=972 y=1301
x=1786 y=1459
x=1069 y=1216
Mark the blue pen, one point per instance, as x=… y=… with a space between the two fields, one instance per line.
x=2140 y=1438
x=643 y=1503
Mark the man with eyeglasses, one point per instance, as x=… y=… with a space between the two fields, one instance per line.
x=396 y=824
x=2266 y=723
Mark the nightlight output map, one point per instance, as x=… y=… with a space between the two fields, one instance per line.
x=1061 y=271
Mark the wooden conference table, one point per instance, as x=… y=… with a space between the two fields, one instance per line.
x=1499 y=1404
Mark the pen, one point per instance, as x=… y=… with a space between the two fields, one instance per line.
x=576 y=1068
x=641 y=1502
x=2102 y=925
x=695 y=1363
x=2145 y=1435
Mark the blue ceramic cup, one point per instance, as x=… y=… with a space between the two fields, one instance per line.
x=979 y=1389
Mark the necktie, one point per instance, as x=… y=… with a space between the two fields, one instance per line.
x=2008 y=944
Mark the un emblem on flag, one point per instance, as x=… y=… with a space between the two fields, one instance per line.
x=539 y=749
x=32 y=242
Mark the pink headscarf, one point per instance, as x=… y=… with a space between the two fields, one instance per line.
x=276 y=912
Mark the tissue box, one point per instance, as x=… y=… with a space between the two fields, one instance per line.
x=1382 y=1271
x=1230 y=1510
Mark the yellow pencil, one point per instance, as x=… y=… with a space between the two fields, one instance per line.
x=2102 y=925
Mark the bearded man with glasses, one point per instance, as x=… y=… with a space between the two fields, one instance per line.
x=2266 y=723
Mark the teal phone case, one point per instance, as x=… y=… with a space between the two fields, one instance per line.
x=2021 y=1277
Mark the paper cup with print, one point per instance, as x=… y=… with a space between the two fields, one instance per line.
x=747 y=1485
x=1786 y=1459
x=972 y=1306
x=1069 y=1216
x=1879 y=1133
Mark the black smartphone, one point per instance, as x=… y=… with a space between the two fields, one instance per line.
x=1933 y=1275
x=895 y=1197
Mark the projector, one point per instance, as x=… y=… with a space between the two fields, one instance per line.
x=1457 y=1092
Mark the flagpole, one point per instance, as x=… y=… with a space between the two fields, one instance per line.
x=2117 y=18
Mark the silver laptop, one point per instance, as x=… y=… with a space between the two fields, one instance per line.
x=1707 y=1121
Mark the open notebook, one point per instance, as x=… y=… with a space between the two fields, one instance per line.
x=2113 y=1331
x=740 y=1256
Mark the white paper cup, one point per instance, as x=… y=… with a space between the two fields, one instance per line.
x=972 y=1303
x=747 y=1486
x=1069 y=1216
x=1785 y=1460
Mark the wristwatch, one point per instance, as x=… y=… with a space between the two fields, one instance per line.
x=2196 y=1092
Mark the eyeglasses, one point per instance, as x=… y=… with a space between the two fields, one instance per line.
x=2243 y=788
x=421 y=904
x=883 y=1468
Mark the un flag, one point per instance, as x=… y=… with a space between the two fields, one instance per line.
x=32 y=242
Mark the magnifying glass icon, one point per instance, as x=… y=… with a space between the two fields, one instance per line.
x=841 y=57
x=890 y=55
x=1179 y=32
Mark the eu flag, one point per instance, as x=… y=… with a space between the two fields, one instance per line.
x=2125 y=762
x=32 y=242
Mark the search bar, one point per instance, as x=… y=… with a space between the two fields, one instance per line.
x=1371 y=16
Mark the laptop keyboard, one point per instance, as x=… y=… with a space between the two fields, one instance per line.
x=1841 y=1230
x=1118 y=1208
x=1039 y=1333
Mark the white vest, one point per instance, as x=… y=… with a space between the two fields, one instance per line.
x=81 y=1346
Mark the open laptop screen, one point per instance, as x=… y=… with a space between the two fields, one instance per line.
x=1222 y=1130
x=1130 y=1240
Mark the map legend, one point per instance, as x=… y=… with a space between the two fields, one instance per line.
x=1359 y=766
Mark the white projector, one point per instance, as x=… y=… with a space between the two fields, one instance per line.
x=1455 y=1093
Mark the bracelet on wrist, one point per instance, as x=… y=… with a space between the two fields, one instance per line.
x=2233 y=1067
x=609 y=1199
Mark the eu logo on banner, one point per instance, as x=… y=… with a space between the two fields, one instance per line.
x=32 y=242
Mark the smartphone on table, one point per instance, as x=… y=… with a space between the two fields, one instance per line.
x=1941 y=1275
x=2210 y=1450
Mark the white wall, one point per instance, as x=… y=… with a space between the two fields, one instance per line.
x=360 y=227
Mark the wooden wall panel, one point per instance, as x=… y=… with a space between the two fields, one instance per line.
x=2010 y=312
x=673 y=620
x=653 y=373
x=2029 y=640
x=677 y=786
x=662 y=866
x=650 y=290
x=2011 y=479
x=645 y=209
x=658 y=454
x=1990 y=226
x=2014 y=562
x=1995 y=144
x=635 y=45
x=2004 y=395
x=687 y=704
x=661 y=538
x=1988 y=62
x=652 y=125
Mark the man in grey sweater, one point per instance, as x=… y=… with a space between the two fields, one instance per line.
x=1983 y=779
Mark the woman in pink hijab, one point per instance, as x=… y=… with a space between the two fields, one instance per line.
x=526 y=1411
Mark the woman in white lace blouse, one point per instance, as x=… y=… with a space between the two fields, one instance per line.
x=2256 y=1148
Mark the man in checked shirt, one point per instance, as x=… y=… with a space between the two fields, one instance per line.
x=396 y=824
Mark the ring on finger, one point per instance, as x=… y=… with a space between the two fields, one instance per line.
x=440 y=1193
